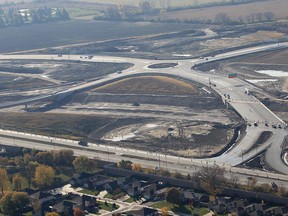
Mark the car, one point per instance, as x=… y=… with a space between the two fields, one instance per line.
x=255 y=124
x=266 y=124
x=274 y=126
x=279 y=126
x=83 y=143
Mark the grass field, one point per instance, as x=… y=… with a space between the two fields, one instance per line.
x=150 y=85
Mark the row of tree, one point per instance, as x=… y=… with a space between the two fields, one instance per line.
x=16 y=17
x=223 y=18
x=37 y=168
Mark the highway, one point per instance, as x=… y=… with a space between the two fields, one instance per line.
x=251 y=110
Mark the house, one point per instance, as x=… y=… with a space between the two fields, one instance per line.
x=67 y=205
x=218 y=207
x=254 y=209
x=80 y=179
x=149 y=191
x=111 y=186
x=274 y=211
x=96 y=182
x=124 y=182
x=88 y=201
x=236 y=207
x=40 y=197
x=145 y=211
x=133 y=189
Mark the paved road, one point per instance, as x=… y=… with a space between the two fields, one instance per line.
x=246 y=105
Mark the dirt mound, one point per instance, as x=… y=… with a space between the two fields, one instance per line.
x=150 y=85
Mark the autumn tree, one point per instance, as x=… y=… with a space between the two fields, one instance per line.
x=136 y=167
x=78 y=212
x=3 y=162
x=4 y=181
x=211 y=178
x=19 y=161
x=52 y=214
x=18 y=181
x=173 y=196
x=281 y=192
x=27 y=158
x=44 y=176
x=164 y=211
x=12 y=202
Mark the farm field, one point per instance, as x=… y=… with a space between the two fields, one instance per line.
x=77 y=31
x=278 y=7
x=173 y=3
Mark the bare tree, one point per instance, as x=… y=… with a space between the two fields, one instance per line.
x=234 y=180
x=222 y=18
x=211 y=178
x=269 y=16
x=259 y=17
x=251 y=182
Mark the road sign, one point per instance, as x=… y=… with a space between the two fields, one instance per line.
x=232 y=75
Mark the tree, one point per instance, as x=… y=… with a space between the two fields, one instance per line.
x=164 y=211
x=18 y=181
x=113 y=13
x=136 y=167
x=44 y=158
x=19 y=161
x=63 y=157
x=27 y=158
x=251 y=182
x=81 y=164
x=44 y=176
x=52 y=214
x=222 y=18
x=211 y=178
x=173 y=196
x=12 y=202
x=3 y=162
x=269 y=15
x=125 y=164
x=30 y=171
x=78 y=212
x=4 y=181
x=265 y=187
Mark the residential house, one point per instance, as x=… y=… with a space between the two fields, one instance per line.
x=96 y=182
x=144 y=211
x=80 y=179
x=149 y=191
x=111 y=186
x=133 y=189
x=254 y=210
x=236 y=207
